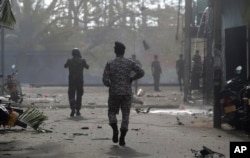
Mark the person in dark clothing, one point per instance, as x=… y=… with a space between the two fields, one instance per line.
x=76 y=66
x=156 y=72
x=139 y=63
x=180 y=70
x=197 y=58
x=117 y=76
x=196 y=71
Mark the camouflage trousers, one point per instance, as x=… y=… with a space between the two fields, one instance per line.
x=117 y=102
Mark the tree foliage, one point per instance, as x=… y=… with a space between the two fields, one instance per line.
x=7 y=18
x=92 y=26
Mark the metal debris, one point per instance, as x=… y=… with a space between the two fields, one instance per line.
x=135 y=129
x=80 y=134
x=85 y=128
x=207 y=153
x=155 y=96
x=178 y=121
x=139 y=110
x=42 y=130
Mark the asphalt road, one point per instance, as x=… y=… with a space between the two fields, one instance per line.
x=170 y=129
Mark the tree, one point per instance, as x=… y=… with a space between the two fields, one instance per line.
x=91 y=26
x=7 y=18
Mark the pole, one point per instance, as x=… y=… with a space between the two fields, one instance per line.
x=217 y=81
x=187 y=49
x=2 y=54
x=178 y=21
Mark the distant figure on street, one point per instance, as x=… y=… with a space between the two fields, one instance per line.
x=117 y=76
x=156 y=72
x=196 y=71
x=139 y=63
x=197 y=58
x=76 y=66
x=180 y=70
x=217 y=64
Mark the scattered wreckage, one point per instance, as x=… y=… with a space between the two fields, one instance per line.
x=11 y=116
x=205 y=152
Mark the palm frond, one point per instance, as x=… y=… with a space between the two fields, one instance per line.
x=33 y=117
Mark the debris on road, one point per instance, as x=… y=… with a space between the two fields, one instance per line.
x=135 y=129
x=85 y=128
x=155 y=96
x=33 y=117
x=206 y=152
x=80 y=134
x=140 y=110
x=178 y=121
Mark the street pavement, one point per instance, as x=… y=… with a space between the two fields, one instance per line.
x=169 y=129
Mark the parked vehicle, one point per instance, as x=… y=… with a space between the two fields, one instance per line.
x=231 y=98
x=12 y=87
x=245 y=118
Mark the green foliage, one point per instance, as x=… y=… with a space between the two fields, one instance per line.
x=7 y=18
x=33 y=117
x=246 y=12
x=92 y=26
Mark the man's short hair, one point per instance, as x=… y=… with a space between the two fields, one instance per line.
x=76 y=53
x=119 y=48
x=120 y=45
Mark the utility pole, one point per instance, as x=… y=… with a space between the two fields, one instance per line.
x=217 y=4
x=2 y=52
x=2 y=60
x=187 y=48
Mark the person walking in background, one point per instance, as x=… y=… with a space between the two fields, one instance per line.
x=139 y=63
x=76 y=66
x=180 y=70
x=156 y=72
x=117 y=76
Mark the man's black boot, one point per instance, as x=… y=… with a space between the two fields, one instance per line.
x=115 y=132
x=72 y=113
x=78 y=113
x=122 y=137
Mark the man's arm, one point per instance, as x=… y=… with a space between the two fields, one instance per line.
x=106 y=74
x=85 y=65
x=66 y=65
x=160 y=68
x=152 y=68
x=139 y=72
x=177 y=66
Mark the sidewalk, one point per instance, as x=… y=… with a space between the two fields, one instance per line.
x=153 y=135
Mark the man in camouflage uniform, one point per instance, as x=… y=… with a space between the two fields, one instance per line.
x=76 y=66
x=117 y=76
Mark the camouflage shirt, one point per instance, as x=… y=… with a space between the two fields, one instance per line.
x=117 y=75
